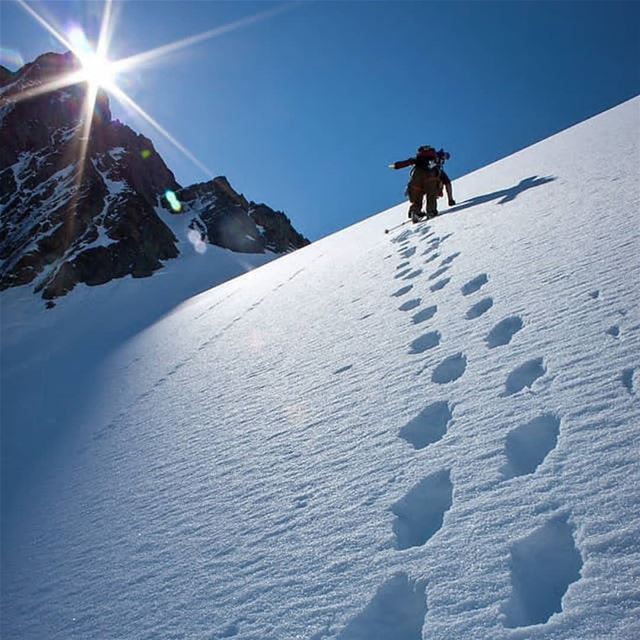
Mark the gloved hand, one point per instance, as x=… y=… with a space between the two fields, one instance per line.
x=392 y=165
x=452 y=203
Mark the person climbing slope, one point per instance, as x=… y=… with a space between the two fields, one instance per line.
x=427 y=179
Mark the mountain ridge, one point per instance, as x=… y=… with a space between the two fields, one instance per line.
x=64 y=224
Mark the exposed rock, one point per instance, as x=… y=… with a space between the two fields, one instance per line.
x=228 y=219
x=64 y=221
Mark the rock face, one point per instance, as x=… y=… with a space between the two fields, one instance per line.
x=226 y=218
x=65 y=221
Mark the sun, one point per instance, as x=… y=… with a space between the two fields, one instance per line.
x=98 y=70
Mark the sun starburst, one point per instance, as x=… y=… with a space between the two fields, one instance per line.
x=97 y=69
x=101 y=73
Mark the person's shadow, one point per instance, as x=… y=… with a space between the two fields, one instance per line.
x=504 y=195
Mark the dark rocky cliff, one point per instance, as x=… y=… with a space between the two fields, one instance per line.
x=228 y=219
x=64 y=221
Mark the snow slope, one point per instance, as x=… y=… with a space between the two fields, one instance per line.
x=427 y=434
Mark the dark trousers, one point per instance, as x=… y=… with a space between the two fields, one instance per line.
x=418 y=189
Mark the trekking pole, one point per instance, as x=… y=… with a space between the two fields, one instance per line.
x=397 y=226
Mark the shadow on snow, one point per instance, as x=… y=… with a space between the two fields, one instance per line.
x=504 y=195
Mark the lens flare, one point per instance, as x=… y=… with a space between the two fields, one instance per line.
x=79 y=42
x=173 y=201
x=198 y=243
x=98 y=71
x=11 y=58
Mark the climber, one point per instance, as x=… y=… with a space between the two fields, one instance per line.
x=427 y=179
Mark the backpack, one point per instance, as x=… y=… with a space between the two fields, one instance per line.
x=428 y=157
x=433 y=157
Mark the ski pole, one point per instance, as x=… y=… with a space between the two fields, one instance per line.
x=397 y=226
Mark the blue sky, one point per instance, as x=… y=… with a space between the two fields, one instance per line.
x=305 y=109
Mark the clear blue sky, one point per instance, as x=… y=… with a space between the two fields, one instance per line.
x=305 y=109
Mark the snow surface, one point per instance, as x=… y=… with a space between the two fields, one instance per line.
x=426 y=434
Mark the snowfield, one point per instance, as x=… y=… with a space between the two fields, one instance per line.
x=431 y=433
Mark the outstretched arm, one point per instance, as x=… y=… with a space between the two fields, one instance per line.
x=401 y=164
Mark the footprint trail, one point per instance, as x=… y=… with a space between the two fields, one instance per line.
x=543 y=565
x=429 y=426
x=419 y=515
x=529 y=444
x=503 y=332
x=475 y=284
x=524 y=376
x=397 y=611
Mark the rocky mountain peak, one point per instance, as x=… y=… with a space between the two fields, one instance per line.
x=226 y=218
x=64 y=222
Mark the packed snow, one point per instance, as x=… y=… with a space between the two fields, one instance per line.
x=430 y=433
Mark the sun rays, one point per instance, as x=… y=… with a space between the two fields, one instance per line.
x=97 y=69
x=152 y=55
x=98 y=72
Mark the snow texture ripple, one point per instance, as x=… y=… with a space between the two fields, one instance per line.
x=293 y=454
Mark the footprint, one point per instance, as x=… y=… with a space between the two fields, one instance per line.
x=425 y=342
x=529 y=444
x=438 y=273
x=402 y=265
x=479 y=308
x=502 y=332
x=425 y=314
x=449 y=259
x=429 y=426
x=441 y=284
x=432 y=257
x=407 y=253
x=301 y=501
x=473 y=285
x=542 y=565
x=420 y=513
x=397 y=610
x=614 y=331
x=524 y=376
x=402 y=273
x=229 y=631
x=402 y=291
x=594 y=294
x=628 y=380
x=450 y=369
x=410 y=304
x=343 y=369
x=413 y=274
